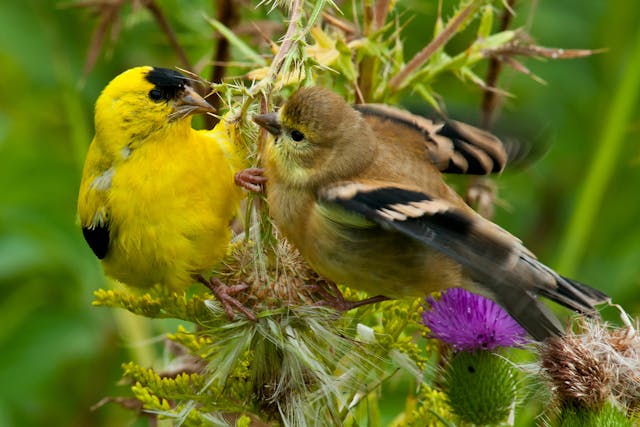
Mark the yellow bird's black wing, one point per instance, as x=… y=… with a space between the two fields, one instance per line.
x=93 y=202
x=98 y=239
x=452 y=146
x=496 y=261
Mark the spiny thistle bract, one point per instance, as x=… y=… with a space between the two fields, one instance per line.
x=595 y=374
x=301 y=368
x=607 y=416
x=481 y=387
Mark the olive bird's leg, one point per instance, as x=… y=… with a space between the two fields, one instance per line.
x=251 y=179
x=225 y=294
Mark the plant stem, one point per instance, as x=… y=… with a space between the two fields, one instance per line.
x=162 y=21
x=285 y=47
x=107 y=18
x=603 y=164
x=380 y=13
x=228 y=15
x=421 y=57
x=491 y=98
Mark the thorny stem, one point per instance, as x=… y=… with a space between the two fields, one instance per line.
x=285 y=47
x=367 y=17
x=380 y=13
x=373 y=17
x=421 y=57
x=162 y=21
x=491 y=98
x=346 y=27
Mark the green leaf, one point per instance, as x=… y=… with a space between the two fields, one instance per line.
x=237 y=42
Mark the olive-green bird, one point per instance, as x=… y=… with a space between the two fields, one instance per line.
x=359 y=191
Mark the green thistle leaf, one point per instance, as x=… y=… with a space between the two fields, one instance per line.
x=608 y=416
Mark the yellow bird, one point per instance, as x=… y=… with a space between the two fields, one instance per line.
x=157 y=196
x=359 y=192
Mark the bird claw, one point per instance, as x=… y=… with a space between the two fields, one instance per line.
x=251 y=179
x=332 y=297
x=225 y=294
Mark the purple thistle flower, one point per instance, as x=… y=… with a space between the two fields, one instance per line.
x=469 y=322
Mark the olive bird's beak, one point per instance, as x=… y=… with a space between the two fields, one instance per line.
x=190 y=102
x=270 y=122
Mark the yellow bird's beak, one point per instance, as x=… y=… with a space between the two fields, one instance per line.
x=189 y=102
x=270 y=122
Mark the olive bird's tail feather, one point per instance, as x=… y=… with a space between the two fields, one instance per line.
x=517 y=293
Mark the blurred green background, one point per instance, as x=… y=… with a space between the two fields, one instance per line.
x=59 y=355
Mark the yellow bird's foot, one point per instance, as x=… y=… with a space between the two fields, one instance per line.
x=225 y=294
x=251 y=179
x=332 y=297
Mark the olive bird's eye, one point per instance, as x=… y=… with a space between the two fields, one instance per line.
x=157 y=95
x=297 y=136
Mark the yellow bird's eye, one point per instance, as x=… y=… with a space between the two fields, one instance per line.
x=297 y=136
x=158 y=95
